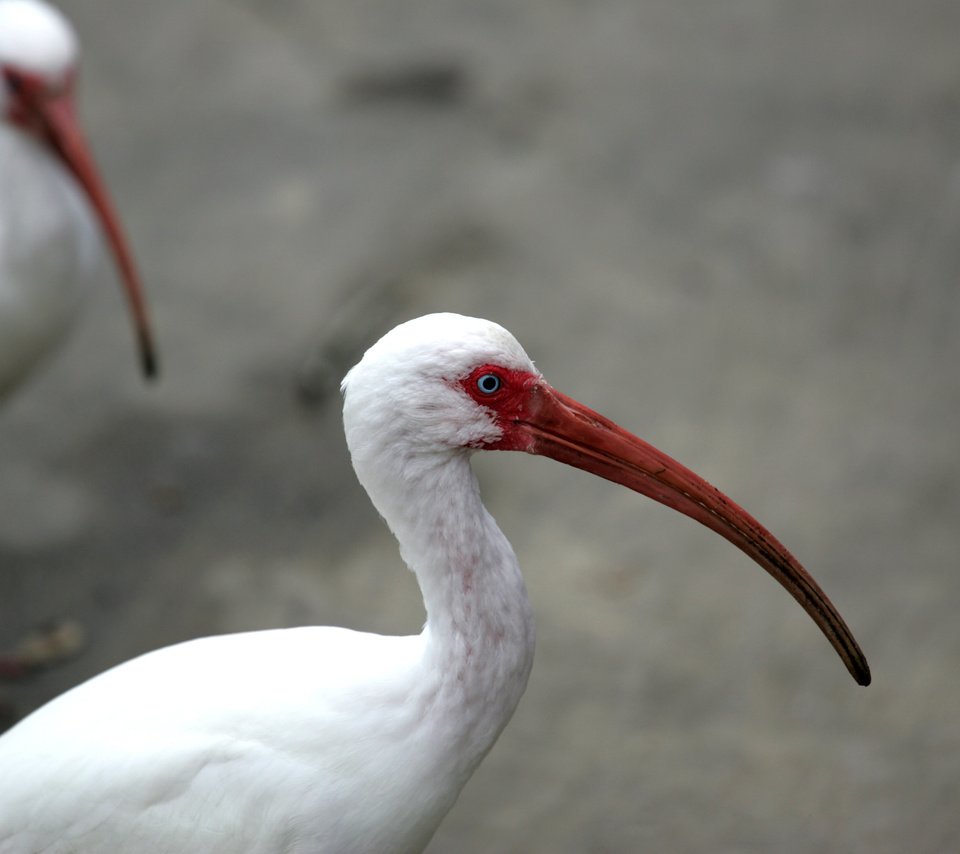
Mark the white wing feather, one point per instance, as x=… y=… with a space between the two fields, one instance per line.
x=165 y=752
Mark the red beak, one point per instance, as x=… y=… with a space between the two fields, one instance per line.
x=559 y=427
x=53 y=118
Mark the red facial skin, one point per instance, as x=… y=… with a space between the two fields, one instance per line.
x=537 y=419
x=47 y=113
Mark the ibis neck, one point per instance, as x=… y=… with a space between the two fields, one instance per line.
x=467 y=571
x=479 y=636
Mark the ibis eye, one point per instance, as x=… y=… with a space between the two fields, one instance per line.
x=489 y=383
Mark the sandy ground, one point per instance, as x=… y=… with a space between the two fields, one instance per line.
x=731 y=227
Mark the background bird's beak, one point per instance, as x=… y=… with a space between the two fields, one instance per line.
x=567 y=431
x=53 y=118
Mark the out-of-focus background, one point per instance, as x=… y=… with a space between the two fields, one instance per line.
x=732 y=227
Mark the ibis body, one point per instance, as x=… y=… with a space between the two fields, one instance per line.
x=49 y=253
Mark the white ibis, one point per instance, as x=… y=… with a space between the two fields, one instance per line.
x=326 y=739
x=50 y=195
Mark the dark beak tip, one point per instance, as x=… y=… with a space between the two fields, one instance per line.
x=149 y=362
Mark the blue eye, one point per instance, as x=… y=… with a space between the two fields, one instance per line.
x=489 y=383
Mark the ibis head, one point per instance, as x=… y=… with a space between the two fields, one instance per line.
x=446 y=384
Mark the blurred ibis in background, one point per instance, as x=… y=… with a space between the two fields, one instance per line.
x=54 y=214
x=54 y=208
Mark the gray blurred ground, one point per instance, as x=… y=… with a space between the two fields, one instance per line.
x=731 y=227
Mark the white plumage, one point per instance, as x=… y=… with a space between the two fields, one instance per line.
x=329 y=740
x=50 y=195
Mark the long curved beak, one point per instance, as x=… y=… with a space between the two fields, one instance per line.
x=57 y=123
x=567 y=431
